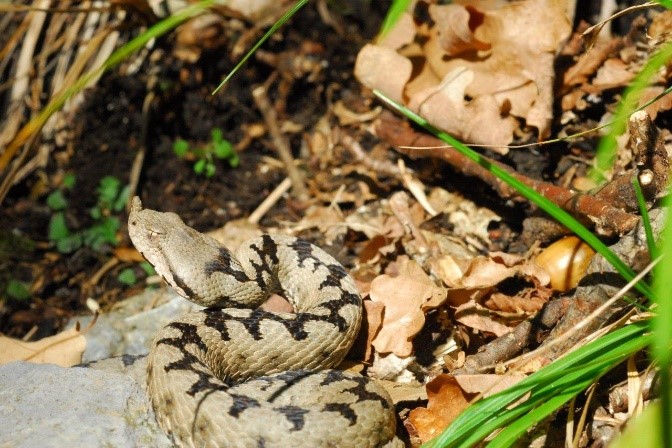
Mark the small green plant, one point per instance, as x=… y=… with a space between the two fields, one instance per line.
x=111 y=199
x=18 y=290
x=218 y=147
x=127 y=277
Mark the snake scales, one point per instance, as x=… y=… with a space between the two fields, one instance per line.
x=236 y=376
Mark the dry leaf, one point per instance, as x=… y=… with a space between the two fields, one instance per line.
x=506 y=69
x=128 y=254
x=528 y=301
x=399 y=392
x=446 y=401
x=374 y=319
x=488 y=384
x=63 y=349
x=475 y=316
x=402 y=34
x=404 y=296
x=384 y=69
x=456 y=25
x=613 y=73
x=446 y=106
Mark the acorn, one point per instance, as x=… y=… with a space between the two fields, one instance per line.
x=566 y=262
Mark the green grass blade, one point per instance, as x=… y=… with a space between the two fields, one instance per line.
x=661 y=346
x=551 y=400
x=542 y=202
x=298 y=5
x=396 y=10
x=646 y=221
x=484 y=416
x=665 y=3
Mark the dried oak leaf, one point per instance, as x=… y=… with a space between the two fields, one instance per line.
x=446 y=401
x=475 y=316
x=518 y=69
x=487 y=65
x=481 y=274
x=384 y=69
x=456 y=25
x=374 y=319
x=405 y=296
x=63 y=349
x=444 y=105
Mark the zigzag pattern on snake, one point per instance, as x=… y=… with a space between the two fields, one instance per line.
x=233 y=375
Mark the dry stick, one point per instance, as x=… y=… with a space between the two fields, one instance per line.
x=279 y=140
x=139 y=160
x=588 y=319
x=24 y=66
x=26 y=136
x=380 y=166
x=607 y=218
x=270 y=201
x=585 y=322
x=652 y=165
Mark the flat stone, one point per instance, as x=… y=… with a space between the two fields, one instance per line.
x=43 y=405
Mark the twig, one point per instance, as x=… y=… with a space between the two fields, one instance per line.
x=380 y=166
x=138 y=161
x=270 y=201
x=608 y=219
x=279 y=140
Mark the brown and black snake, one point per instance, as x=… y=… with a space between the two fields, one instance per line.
x=234 y=375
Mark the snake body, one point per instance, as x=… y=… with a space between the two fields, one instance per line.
x=233 y=375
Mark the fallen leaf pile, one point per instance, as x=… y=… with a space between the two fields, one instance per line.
x=474 y=63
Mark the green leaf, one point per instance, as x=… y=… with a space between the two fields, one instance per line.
x=58 y=229
x=180 y=148
x=95 y=213
x=102 y=232
x=217 y=136
x=210 y=169
x=120 y=201
x=56 y=200
x=18 y=290
x=108 y=191
x=127 y=277
x=68 y=181
x=199 y=166
x=148 y=268
x=69 y=243
x=643 y=427
x=234 y=160
x=224 y=150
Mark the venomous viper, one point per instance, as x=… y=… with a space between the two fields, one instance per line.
x=233 y=375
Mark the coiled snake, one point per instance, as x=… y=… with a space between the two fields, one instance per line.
x=236 y=376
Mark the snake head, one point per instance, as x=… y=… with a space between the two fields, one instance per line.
x=180 y=254
x=161 y=238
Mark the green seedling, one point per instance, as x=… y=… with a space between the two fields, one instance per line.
x=205 y=156
x=111 y=200
x=127 y=277
x=18 y=290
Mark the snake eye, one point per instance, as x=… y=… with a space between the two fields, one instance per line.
x=155 y=233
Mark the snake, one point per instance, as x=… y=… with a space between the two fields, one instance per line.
x=236 y=375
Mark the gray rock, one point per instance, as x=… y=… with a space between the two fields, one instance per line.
x=43 y=405
x=130 y=328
